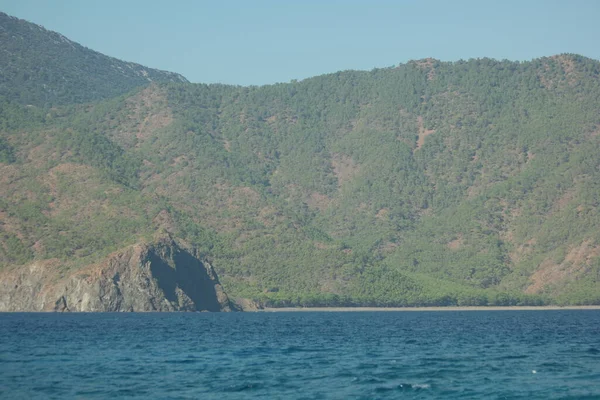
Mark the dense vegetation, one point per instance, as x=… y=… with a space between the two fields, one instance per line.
x=40 y=67
x=430 y=183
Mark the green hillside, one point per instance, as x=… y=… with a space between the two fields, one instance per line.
x=430 y=183
x=41 y=67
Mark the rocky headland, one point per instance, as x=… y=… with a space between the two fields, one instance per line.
x=159 y=276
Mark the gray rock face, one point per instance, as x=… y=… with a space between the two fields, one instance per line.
x=162 y=276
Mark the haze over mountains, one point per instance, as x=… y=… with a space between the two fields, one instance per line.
x=41 y=67
x=430 y=183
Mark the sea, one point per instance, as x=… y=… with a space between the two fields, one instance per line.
x=550 y=354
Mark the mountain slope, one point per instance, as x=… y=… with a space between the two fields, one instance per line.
x=42 y=67
x=468 y=172
x=431 y=183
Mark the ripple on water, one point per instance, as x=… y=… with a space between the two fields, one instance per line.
x=592 y=350
x=244 y=387
x=303 y=355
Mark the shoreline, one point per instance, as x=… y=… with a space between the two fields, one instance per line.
x=413 y=309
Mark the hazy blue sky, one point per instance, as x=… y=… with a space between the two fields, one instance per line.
x=258 y=42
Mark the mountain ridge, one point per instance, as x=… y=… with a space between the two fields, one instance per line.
x=429 y=183
x=52 y=69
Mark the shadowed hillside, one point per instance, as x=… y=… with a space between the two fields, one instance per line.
x=42 y=67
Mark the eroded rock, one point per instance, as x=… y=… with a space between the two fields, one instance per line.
x=161 y=276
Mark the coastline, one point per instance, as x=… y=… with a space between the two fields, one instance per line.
x=412 y=309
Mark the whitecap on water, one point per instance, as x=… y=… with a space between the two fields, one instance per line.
x=420 y=386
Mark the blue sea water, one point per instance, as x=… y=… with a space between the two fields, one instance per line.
x=307 y=355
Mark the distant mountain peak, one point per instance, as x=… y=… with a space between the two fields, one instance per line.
x=45 y=67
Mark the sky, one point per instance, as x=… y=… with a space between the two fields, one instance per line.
x=256 y=42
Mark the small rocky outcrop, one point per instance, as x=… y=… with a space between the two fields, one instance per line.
x=248 y=304
x=162 y=276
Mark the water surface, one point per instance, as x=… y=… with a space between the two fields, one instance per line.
x=311 y=355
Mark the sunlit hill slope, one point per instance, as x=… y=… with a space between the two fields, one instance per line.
x=431 y=183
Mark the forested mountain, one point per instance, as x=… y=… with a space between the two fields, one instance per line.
x=40 y=67
x=430 y=183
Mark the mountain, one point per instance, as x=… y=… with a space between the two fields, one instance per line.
x=430 y=183
x=42 y=67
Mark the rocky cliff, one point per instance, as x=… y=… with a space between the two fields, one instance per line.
x=161 y=276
